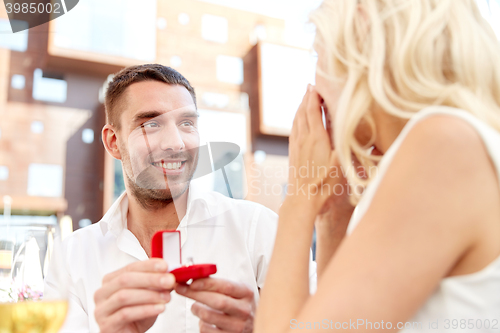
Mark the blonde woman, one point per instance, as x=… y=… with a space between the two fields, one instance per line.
x=412 y=89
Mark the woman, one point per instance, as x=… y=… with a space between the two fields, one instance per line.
x=411 y=87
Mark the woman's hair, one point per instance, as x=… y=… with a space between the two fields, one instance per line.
x=404 y=55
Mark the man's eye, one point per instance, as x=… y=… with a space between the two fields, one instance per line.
x=186 y=123
x=151 y=125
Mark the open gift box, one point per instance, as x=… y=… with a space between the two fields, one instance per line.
x=166 y=244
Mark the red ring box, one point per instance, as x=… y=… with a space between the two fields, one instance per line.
x=183 y=273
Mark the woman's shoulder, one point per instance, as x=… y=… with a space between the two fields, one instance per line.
x=438 y=184
x=442 y=160
x=449 y=141
x=440 y=153
x=444 y=125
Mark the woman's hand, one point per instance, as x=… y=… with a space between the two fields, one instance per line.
x=315 y=174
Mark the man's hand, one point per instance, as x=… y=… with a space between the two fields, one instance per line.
x=131 y=298
x=221 y=305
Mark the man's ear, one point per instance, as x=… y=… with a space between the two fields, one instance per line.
x=110 y=140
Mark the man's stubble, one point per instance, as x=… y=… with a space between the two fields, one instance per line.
x=149 y=193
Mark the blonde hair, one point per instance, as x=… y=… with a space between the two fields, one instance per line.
x=403 y=56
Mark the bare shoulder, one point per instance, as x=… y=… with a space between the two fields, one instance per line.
x=448 y=182
x=445 y=149
x=448 y=136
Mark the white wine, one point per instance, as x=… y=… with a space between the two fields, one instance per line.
x=32 y=317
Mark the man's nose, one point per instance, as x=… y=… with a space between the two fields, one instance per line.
x=171 y=139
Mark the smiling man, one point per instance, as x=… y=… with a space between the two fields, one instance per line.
x=152 y=127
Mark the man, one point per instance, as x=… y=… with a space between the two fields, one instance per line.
x=114 y=285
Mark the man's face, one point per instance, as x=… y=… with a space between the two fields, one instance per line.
x=158 y=140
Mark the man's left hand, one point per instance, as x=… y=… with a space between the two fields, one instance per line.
x=221 y=305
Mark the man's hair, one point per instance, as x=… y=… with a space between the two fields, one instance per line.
x=127 y=76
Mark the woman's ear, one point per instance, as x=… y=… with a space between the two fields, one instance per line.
x=110 y=141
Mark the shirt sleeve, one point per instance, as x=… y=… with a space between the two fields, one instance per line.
x=263 y=234
x=58 y=285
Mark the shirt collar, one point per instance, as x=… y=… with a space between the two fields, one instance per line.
x=115 y=219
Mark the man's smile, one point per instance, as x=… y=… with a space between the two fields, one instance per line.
x=170 y=167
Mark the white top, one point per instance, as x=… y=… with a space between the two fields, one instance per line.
x=472 y=297
x=236 y=235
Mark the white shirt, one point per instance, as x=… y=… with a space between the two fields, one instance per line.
x=236 y=235
x=472 y=300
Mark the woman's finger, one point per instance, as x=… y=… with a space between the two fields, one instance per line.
x=314 y=115
x=301 y=117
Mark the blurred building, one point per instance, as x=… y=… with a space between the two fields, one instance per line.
x=52 y=78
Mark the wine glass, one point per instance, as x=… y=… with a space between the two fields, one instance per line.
x=27 y=257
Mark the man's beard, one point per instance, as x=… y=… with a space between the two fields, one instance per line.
x=149 y=192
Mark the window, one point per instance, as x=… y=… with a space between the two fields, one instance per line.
x=175 y=61
x=219 y=126
x=13 y=41
x=119 y=187
x=48 y=89
x=183 y=18
x=214 y=28
x=282 y=88
x=229 y=69
x=4 y=172
x=84 y=223
x=161 y=23
x=36 y=127
x=215 y=100
x=45 y=180
x=17 y=81
x=104 y=27
x=88 y=135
